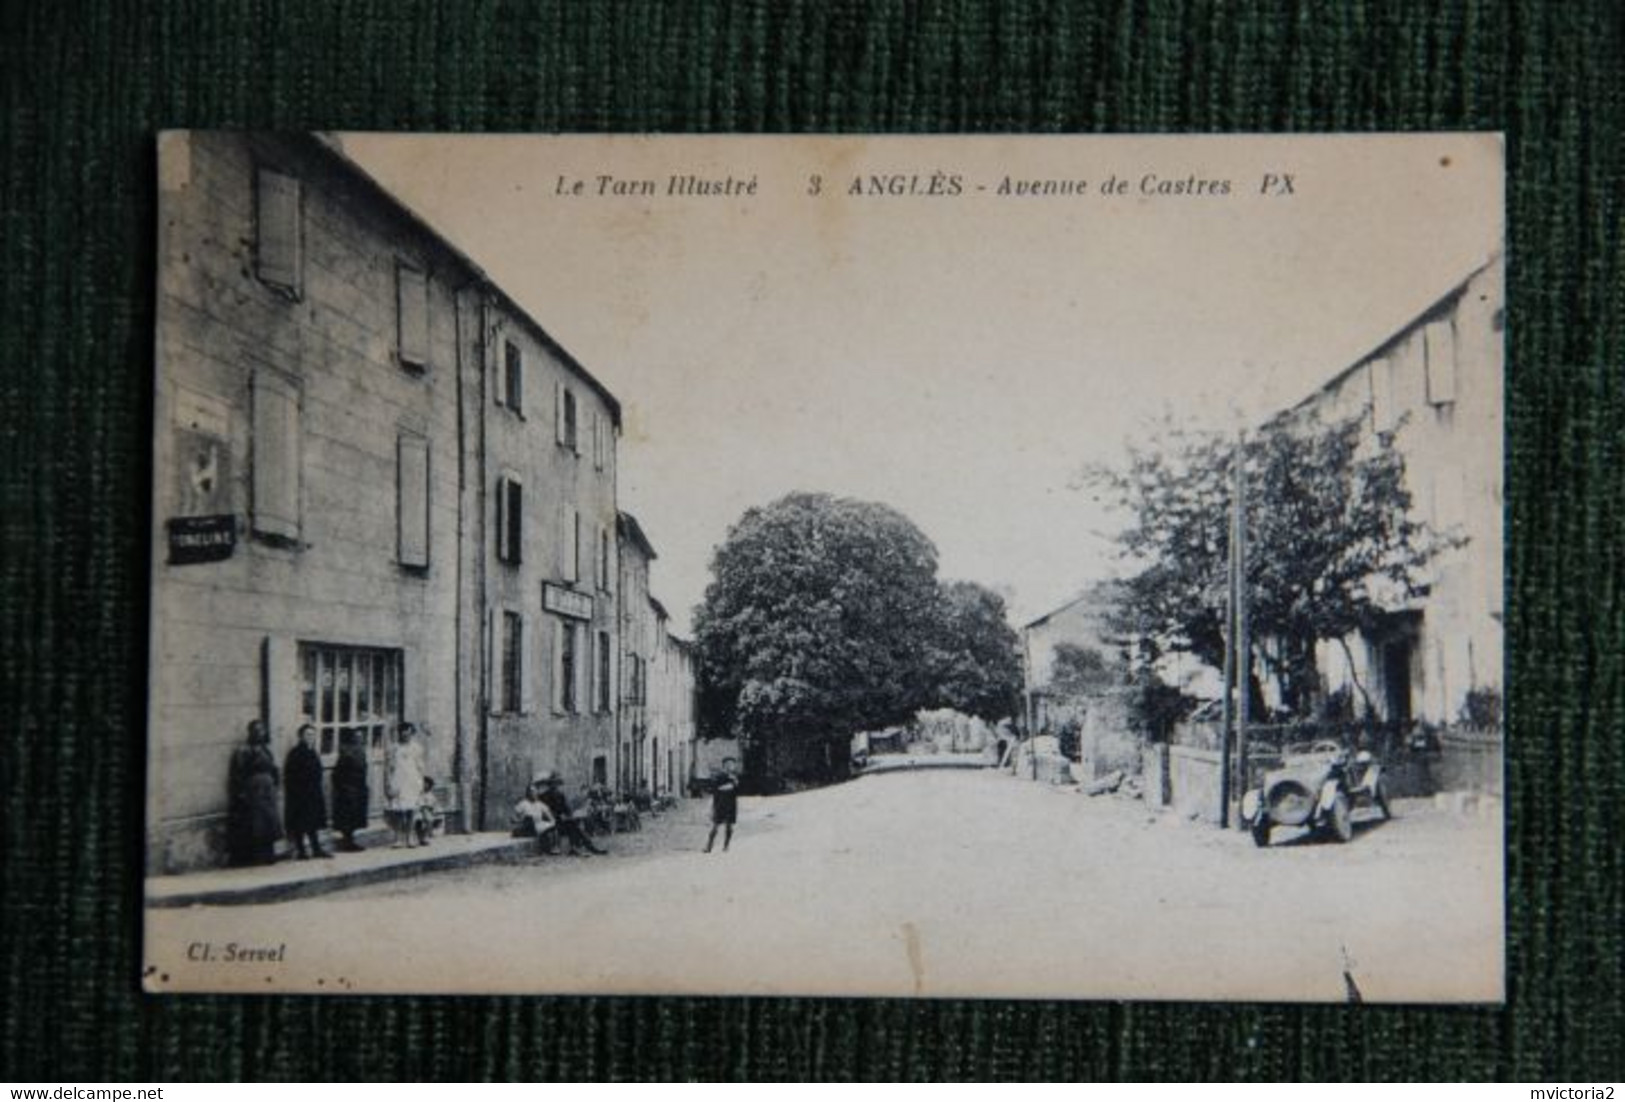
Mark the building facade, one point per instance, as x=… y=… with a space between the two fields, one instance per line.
x=673 y=710
x=306 y=450
x=382 y=493
x=637 y=632
x=1436 y=385
x=545 y=455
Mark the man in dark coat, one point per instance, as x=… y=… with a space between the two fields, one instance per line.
x=350 y=790
x=253 y=822
x=303 y=801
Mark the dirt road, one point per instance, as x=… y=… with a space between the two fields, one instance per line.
x=930 y=883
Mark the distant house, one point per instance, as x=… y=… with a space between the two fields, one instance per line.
x=1081 y=625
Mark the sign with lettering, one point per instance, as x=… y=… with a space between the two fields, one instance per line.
x=566 y=602
x=201 y=539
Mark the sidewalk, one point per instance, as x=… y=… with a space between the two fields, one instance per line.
x=290 y=879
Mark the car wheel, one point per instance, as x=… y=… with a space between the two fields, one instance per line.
x=1339 y=821
x=1382 y=801
x=1261 y=833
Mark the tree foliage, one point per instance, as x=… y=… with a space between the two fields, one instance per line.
x=818 y=621
x=978 y=659
x=824 y=617
x=1077 y=671
x=1331 y=543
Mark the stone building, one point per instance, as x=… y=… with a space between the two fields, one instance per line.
x=382 y=492
x=1436 y=384
x=1081 y=625
x=543 y=454
x=638 y=648
x=672 y=711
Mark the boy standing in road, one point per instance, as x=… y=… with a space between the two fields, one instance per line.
x=724 y=804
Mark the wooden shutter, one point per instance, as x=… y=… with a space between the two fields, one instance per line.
x=555 y=684
x=493 y=662
x=584 y=662
x=279 y=245
x=502 y=517
x=1440 y=341
x=558 y=412
x=572 y=544
x=527 y=663
x=276 y=455
x=412 y=497
x=1382 y=394
x=412 y=315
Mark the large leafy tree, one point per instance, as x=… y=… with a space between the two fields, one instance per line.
x=820 y=620
x=979 y=663
x=1332 y=546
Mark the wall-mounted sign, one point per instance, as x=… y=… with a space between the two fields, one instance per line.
x=201 y=539
x=566 y=602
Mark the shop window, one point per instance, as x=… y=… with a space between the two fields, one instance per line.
x=349 y=692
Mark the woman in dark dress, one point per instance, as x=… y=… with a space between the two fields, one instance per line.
x=253 y=820
x=304 y=804
x=350 y=791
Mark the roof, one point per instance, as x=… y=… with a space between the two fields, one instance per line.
x=631 y=531
x=660 y=609
x=1437 y=306
x=327 y=145
x=1097 y=593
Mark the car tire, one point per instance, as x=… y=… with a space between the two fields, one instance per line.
x=1339 y=819
x=1381 y=799
x=1261 y=833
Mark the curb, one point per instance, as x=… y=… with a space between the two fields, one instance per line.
x=338 y=881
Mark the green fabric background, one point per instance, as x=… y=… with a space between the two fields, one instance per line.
x=87 y=85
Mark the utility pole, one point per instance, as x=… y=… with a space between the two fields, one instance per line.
x=1244 y=634
x=1238 y=644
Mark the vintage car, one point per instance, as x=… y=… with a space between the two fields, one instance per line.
x=1318 y=786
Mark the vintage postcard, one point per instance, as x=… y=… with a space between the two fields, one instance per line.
x=1051 y=567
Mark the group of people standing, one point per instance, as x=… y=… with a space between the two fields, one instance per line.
x=266 y=802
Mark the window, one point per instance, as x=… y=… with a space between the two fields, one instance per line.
x=412 y=316
x=513 y=662
x=565 y=419
x=566 y=669
x=1439 y=350
x=412 y=500
x=603 y=559
x=600 y=433
x=279 y=238
x=513 y=378
x=352 y=692
x=276 y=457
x=510 y=518
x=603 y=671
